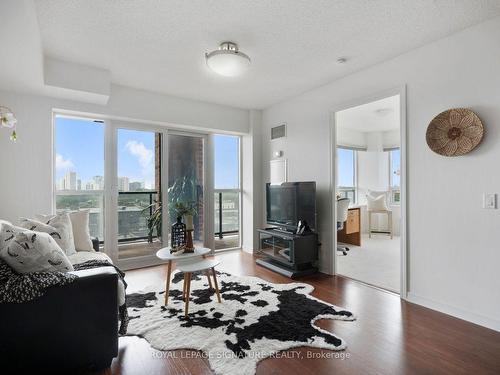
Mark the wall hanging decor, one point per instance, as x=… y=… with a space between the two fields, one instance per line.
x=8 y=120
x=454 y=132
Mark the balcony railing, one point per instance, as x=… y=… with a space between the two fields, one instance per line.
x=136 y=207
x=227 y=213
x=134 y=210
x=348 y=192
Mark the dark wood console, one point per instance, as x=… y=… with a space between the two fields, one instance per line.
x=287 y=253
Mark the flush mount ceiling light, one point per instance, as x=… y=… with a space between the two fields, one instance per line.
x=227 y=61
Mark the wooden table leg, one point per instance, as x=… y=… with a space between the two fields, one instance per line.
x=184 y=289
x=167 y=286
x=187 y=277
x=209 y=279
x=216 y=286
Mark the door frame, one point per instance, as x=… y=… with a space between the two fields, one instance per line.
x=111 y=193
x=401 y=91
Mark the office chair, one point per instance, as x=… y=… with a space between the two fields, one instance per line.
x=342 y=209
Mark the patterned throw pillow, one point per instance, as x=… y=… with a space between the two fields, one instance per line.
x=58 y=226
x=27 y=251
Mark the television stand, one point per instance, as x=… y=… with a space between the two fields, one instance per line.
x=289 y=254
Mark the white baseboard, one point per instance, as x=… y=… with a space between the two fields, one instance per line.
x=455 y=312
x=248 y=250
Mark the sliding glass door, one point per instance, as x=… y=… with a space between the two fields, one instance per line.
x=139 y=192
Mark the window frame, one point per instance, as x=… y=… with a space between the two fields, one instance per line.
x=392 y=191
x=354 y=189
x=56 y=192
x=232 y=190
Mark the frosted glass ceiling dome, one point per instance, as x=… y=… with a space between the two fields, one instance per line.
x=228 y=61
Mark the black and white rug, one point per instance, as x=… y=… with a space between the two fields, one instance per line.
x=255 y=320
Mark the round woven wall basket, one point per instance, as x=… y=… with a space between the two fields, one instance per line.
x=454 y=132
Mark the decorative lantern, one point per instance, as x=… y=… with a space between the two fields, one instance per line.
x=178 y=234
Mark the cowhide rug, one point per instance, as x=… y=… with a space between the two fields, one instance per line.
x=255 y=320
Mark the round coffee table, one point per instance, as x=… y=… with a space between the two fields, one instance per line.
x=164 y=254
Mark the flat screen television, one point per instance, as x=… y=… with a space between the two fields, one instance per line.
x=290 y=202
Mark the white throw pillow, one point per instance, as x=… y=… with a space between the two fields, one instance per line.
x=376 y=202
x=58 y=226
x=81 y=230
x=80 y=225
x=27 y=251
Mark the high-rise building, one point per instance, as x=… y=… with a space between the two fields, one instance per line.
x=70 y=181
x=78 y=184
x=123 y=184
x=98 y=183
x=60 y=184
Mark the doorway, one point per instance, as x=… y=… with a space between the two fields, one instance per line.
x=368 y=148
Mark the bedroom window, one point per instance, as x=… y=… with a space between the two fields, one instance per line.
x=395 y=175
x=346 y=173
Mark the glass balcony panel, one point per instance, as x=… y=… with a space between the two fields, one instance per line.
x=227 y=220
x=92 y=201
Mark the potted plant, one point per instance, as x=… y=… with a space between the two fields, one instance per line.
x=185 y=210
x=154 y=220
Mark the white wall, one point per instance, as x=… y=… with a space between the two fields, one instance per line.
x=351 y=137
x=26 y=166
x=454 y=255
x=252 y=183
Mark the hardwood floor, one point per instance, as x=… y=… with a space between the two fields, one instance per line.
x=389 y=336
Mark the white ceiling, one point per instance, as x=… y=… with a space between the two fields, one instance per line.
x=294 y=44
x=378 y=116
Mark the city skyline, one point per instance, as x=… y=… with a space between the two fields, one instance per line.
x=70 y=181
x=80 y=153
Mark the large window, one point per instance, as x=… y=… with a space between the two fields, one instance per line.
x=79 y=169
x=346 y=173
x=395 y=175
x=227 y=192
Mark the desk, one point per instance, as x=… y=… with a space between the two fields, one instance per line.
x=351 y=233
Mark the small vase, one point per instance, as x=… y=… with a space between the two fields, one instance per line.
x=188 y=220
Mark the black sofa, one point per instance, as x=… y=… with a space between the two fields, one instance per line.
x=70 y=329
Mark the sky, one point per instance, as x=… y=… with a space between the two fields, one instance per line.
x=346 y=167
x=226 y=162
x=80 y=148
